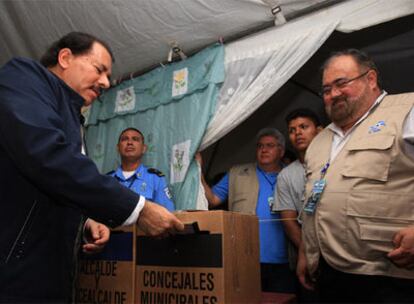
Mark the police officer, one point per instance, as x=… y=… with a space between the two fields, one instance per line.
x=148 y=182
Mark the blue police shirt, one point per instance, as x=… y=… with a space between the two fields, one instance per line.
x=148 y=182
x=271 y=233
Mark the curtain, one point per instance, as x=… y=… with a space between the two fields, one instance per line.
x=171 y=106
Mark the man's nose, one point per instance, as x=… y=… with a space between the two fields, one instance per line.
x=335 y=92
x=104 y=82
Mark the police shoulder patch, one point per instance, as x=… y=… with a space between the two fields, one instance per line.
x=155 y=171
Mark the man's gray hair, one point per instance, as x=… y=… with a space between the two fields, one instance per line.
x=272 y=132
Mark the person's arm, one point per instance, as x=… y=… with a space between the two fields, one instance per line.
x=96 y=235
x=302 y=269
x=213 y=200
x=403 y=253
x=291 y=226
x=45 y=146
x=284 y=203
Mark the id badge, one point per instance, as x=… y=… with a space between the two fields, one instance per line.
x=270 y=201
x=315 y=196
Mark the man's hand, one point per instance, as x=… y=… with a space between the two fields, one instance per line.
x=96 y=236
x=403 y=254
x=302 y=270
x=199 y=158
x=157 y=221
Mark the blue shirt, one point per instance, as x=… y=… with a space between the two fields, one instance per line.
x=147 y=182
x=271 y=233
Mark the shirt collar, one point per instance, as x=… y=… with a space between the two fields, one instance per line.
x=76 y=99
x=267 y=173
x=138 y=172
x=338 y=131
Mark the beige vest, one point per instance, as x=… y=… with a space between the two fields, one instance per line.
x=369 y=194
x=243 y=188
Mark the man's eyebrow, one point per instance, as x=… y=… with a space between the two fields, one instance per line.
x=104 y=67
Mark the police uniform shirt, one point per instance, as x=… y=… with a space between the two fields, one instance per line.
x=147 y=182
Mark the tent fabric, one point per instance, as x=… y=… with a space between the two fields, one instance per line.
x=140 y=32
x=160 y=86
x=369 y=13
x=171 y=106
x=259 y=65
x=256 y=67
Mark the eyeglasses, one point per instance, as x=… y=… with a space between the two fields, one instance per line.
x=340 y=83
x=267 y=146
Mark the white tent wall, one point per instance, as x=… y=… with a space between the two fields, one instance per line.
x=391 y=44
x=257 y=66
x=140 y=32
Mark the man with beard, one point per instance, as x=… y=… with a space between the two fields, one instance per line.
x=358 y=233
x=249 y=188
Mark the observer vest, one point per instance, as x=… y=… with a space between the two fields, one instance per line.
x=243 y=188
x=369 y=194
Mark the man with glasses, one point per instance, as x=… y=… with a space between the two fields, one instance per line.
x=250 y=189
x=358 y=224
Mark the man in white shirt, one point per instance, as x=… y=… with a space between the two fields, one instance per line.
x=358 y=220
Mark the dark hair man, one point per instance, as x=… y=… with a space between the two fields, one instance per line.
x=358 y=232
x=47 y=184
x=250 y=189
x=148 y=182
x=303 y=125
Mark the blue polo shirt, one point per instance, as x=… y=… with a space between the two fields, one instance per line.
x=271 y=233
x=150 y=183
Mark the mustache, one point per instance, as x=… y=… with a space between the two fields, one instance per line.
x=337 y=99
x=98 y=90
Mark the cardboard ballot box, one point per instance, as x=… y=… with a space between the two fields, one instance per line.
x=216 y=260
x=109 y=277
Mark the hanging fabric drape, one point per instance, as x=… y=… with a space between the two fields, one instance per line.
x=257 y=66
x=171 y=106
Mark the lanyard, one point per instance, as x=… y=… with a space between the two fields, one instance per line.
x=325 y=169
x=272 y=184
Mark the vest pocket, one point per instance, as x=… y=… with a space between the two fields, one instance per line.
x=369 y=157
x=374 y=218
x=240 y=203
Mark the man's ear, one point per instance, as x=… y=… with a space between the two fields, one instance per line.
x=372 y=78
x=65 y=57
x=144 y=149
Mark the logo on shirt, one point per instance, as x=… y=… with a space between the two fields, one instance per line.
x=167 y=192
x=377 y=127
